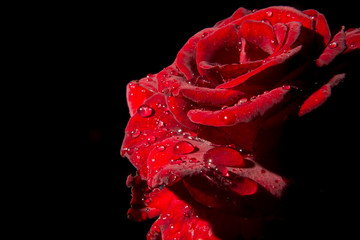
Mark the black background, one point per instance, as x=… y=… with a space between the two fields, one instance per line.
x=100 y=47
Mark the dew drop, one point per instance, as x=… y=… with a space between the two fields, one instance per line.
x=160 y=123
x=176 y=161
x=269 y=13
x=286 y=87
x=135 y=133
x=242 y=101
x=160 y=148
x=333 y=45
x=224 y=156
x=129 y=151
x=183 y=147
x=204 y=35
x=145 y=111
x=151 y=139
x=227 y=117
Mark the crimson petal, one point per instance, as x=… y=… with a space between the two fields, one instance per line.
x=352 y=37
x=219 y=47
x=240 y=113
x=333 y=49
x=210 y=97
x=136 y=95
x=143 y=133
x=272 y=61
x=321 y=26
x=279 y=14
x=319 y=97
x=259 y=33
x=186 y=58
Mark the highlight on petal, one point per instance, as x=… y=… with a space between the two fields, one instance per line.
x=333 y=49
x=240 y=113
x=319 y=97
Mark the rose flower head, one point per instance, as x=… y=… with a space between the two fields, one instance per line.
x=198 y=126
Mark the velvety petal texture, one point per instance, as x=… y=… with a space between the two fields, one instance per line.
x=201 y=128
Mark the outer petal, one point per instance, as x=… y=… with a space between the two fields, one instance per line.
x=167 y=167
x=319 y=97
x=241 y=113
x=210 y=97
x=333 y=49
x=136 y=95
x=143 y=133
x=352 y=38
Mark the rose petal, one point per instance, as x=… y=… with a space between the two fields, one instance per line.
x=333 y=49
x=208 y=96
x=179 y=107
x=319 y=97
x=280 y=30
x=279 y=14
x=321 y=26
x=270 y=62
x=241 y=113
x=186 y=58
x=259 y=33
x=167 y=167
x=143 y=133
x=220 y=47
x=293 y=33
x=352 y=37
x=136 y=95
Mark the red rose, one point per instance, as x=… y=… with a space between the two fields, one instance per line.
x=197 y=127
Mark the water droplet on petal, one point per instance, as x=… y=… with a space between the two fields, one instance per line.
x=286 y=87
x=333 y=45
x=145 y=111
x=176 y=161
x=151 y=139
x=160 y=148
x=227 y=117
x=224 y=156
x=269 y=13
x=204 y=35
x=183 y=147
x=135 y=133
